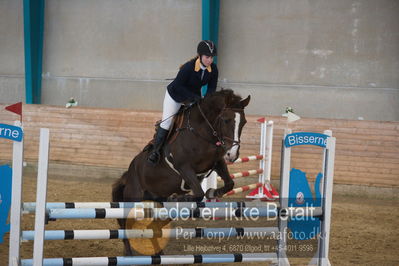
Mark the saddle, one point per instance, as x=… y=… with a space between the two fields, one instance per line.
x=173 y=132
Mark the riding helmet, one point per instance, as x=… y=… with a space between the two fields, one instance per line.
x=207 y=48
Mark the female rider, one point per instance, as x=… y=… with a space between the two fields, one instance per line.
x=185 y=88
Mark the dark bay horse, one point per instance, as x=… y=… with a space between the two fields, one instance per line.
x=208 y=136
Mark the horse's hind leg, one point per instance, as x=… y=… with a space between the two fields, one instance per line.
x=127 y=189
x=117 y=194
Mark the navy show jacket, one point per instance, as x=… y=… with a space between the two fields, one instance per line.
x=187 y=84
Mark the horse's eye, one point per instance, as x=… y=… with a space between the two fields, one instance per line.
x=227 y=121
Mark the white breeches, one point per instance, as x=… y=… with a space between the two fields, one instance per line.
x=170 y=108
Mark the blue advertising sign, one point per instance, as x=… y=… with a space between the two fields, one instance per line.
x=300 y=195
x=5 y=199
x=305 y=138
x=11 y=132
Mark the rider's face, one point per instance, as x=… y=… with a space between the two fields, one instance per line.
x=206 y=60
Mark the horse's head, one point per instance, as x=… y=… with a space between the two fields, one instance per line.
x=230 y=120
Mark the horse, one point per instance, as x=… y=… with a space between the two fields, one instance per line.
x=207 y=136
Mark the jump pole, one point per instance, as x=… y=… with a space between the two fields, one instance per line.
x=29 y=207
x=176 y=233
x=41 y=195
x=266 y=191
x=326 y=195
x=16 y=203
x=158 y=259
x=163 y=213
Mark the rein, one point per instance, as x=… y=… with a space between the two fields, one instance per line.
x=220 y=140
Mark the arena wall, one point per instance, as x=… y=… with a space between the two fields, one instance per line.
x=328 y=59
x=367 y=152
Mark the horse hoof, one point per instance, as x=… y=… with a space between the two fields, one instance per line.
x=210 y=193
x=172 y=198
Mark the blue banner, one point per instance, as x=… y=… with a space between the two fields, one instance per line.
x=305 y=138
x=5 y=199
x=300 y=195
x=11 y=132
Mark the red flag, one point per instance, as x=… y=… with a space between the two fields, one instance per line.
x=15 y=108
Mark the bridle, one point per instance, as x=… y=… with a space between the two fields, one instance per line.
x=221 y=140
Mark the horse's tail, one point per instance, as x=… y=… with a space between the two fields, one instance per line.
x=118 y=187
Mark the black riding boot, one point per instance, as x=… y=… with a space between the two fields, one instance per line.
x=160 y=137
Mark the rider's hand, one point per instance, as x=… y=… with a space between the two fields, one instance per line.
x=191 y=102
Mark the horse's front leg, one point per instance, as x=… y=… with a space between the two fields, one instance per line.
x=223 y=172
x=190 y=177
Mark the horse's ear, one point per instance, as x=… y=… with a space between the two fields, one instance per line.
x=245 y=102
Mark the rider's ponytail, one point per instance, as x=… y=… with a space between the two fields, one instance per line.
x=194 y=58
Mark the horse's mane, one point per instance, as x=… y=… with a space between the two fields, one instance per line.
x=224 y=97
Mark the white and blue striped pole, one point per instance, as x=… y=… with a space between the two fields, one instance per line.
x=163 y=259
x=29 y=207
x=175 y=233
x=164 y=213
